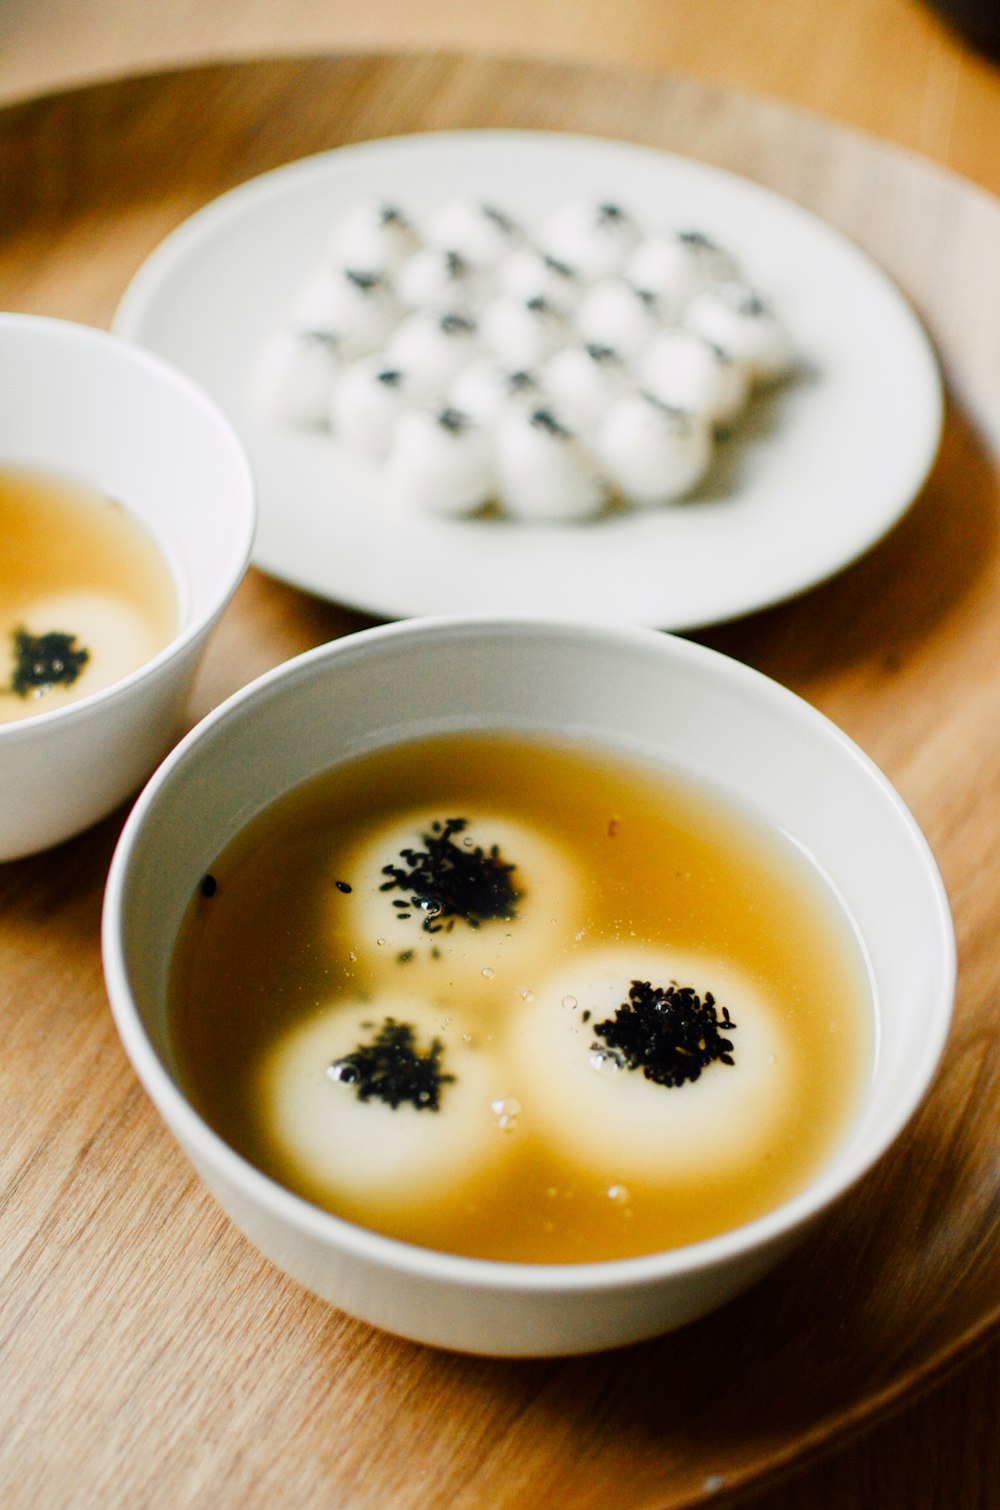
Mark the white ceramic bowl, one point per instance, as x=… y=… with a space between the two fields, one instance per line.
x=85 y=404
x=634 y=689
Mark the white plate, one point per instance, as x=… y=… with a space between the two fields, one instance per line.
x=813 y=477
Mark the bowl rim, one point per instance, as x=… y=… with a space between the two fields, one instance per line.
x=240 y=530
x=842 y=1171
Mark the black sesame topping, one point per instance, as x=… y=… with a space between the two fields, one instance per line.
x=444 y=880
x=389 y=377
x=669 y=1032
x=519 y=382
x=321 y=338
x=611 y=214
x=752 y=305
x=697 y=238
x=391 y=214
x=455 y=265
x=544 y=419
x=367 y=282
x=500 y=220
x=601 y=354
x=43 y=661
x=209 y=886
x=392 y=1069
x=454 y=324
x=344 y=886
x=539 y=305
x=453 y=420
x=555 y=266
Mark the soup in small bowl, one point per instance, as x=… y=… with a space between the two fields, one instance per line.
x=126 y=515
x=526 y=987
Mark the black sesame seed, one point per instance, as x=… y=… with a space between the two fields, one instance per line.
x=669 y=1032
x=209 y=886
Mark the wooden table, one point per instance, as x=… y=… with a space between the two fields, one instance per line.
x=149 y=1356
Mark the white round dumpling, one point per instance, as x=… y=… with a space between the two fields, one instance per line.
x=432 y=346
x=485 y=388
x=293 y=376
x=441 y=462
x=375 y=235
x=614 y=313
x=438 y=277
x=676 y=265
x=529 y=274
x=358 y=309
x=584 y=380
x=107 y=639
x=580 y=1090
x=592 y=238
x=367 y=400
x=326 y=1089
x=441 y=900
x=686 y=371
x=734 y=317
x=544 y=471
x=478 y=231
x=653 y=453
x=522 y=332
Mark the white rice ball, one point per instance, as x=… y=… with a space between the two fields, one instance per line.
x=293 y=376
x=614 y=313
x=435 y=276
x=375 y=235
x=676 y=265
x=432 y=346
x=734 y=317
x=653 y=453
x=529 y=274
x=522 y=332
x=684 y=370
x=441 y=462
x=592 y=238
x=359 y=308
x=478 y=231
x=367 y=400
x=584 y=381
x=544 y=471
x=485 y=388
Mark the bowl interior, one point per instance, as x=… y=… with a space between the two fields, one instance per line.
x=81 y=403
x=634 y=690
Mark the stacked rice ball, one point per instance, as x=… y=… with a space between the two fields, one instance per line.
x=552 y=373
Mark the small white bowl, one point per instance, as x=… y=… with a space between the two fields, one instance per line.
x=78 y=402
x=637 y=691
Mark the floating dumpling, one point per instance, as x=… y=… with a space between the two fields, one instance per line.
x=653 y=1064
x=436 y=897
x=380 y=1107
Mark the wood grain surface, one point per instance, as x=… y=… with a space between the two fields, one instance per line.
x=149 y=1355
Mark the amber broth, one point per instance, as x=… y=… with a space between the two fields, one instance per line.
x=68 y=552
x=669 y=863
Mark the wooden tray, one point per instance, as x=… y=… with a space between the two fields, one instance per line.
x=140 y=1336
